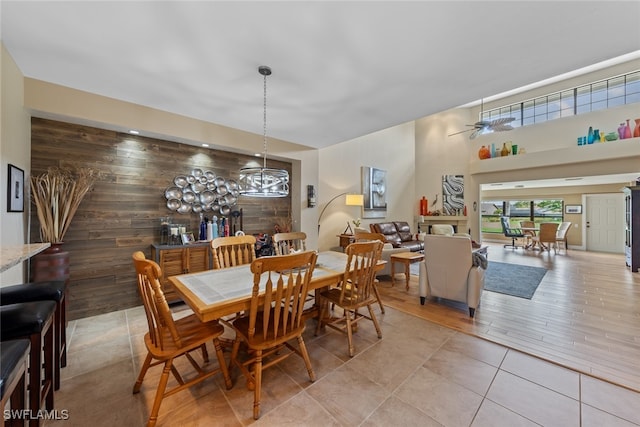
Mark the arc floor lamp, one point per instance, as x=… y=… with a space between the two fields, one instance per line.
x=350 y=200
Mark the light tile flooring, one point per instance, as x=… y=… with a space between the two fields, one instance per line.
x=418 y=374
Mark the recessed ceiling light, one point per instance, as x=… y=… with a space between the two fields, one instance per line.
x=134 y=132
x=205 y=145
x=258 y=154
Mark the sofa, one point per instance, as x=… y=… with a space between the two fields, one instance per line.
x=449 y=271
x=398 y=233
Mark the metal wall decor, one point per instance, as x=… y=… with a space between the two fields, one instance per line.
x=374 y=189
x=452 y=194
x=202 y=191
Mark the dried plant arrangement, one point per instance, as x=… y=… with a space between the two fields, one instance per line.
x=57 y=194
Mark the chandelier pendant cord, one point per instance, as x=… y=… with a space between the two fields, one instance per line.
x=264 y=116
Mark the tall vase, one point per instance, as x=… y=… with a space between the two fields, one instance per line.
x=636 y=131
x=50 y=264
x=627 y=131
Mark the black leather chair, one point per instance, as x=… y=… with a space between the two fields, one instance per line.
x=513 y=233
x=44 y=291
x=13 y=379
x=34 y=321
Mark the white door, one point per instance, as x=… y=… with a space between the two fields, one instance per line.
x=604 y=222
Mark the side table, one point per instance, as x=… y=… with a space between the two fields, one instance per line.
x=346 y=240
x=406 y=258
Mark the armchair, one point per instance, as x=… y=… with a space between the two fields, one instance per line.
x=448 y=271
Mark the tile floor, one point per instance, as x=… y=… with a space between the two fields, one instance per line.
x=418 y=374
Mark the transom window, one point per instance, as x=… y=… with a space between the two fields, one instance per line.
x=600 y=95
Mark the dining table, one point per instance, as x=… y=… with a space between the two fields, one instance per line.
x=213 y=294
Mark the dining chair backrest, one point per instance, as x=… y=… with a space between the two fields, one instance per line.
x=548 y=232
x=286 y=243
x=368 y=237
x=356 y=287
x=286 y=280
x=233 y=250
x=528 y=224
x=156 y=308
x=562 y=230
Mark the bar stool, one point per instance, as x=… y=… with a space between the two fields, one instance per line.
x=13 y=379
x=44 y=291
x=33 y=321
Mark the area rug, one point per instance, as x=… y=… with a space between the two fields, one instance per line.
x=509 y=279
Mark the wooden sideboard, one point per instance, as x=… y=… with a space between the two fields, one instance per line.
x=174 y=260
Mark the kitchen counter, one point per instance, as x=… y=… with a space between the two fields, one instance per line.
x=13 y=255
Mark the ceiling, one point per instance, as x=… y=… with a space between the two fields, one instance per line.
x=340 y=69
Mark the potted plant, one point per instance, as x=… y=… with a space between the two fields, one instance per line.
x=57 y=193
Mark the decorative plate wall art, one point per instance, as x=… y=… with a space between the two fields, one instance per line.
x=202 y=191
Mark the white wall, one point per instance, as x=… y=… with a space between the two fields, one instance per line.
x=390 y=149
x=15 y=148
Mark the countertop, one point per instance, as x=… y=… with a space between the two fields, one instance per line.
x=13 y=255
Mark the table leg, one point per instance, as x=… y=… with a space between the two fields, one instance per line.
x=407 y=274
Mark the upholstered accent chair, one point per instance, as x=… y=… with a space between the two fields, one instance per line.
x=448 y=271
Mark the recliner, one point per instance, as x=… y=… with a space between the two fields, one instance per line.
x=448 y=271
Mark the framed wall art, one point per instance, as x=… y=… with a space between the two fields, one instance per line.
x=573 y=209
x=374 y=188
x=15 y=192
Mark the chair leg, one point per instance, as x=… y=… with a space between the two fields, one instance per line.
x=162 y=385
x=257 y=375
x=375 y=321
x=305 y=357
x=223 y=365
x=375 y=291
x=352 y=349
x=143 y=372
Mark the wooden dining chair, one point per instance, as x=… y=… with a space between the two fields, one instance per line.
x=169 y=339
x=547 y=236
x=286 y=243
x=528 y=234
x=355 y=291
x=233 y=250
x=361 y=236
x=274 y=317
x=561 y=235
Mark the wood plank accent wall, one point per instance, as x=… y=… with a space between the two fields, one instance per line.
x=121 y=214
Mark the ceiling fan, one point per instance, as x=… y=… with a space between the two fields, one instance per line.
x=487 y=126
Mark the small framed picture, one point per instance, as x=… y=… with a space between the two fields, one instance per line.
x=573 y=209
x=15 y=192
x=187 y=238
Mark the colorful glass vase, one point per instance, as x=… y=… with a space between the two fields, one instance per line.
x=621 y=131
x=627 y=131
x=636 y=131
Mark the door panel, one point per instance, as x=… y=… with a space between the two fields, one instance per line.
x=605 y=222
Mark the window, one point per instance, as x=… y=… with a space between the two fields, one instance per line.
x=538 y=211
x=613 y=92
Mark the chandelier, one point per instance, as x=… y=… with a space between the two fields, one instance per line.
x=264 y=181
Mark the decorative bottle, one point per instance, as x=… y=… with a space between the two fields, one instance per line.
x=636 y=131
x=210 y=231
x=505 y=151
x=215 y=227
x=203 y=228
x=423 y=206
x=596 y=135
x=590 y=135
x=627 y=131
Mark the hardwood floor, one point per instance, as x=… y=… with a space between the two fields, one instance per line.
x=585 y=315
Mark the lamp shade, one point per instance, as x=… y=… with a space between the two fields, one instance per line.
x=354 y=200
